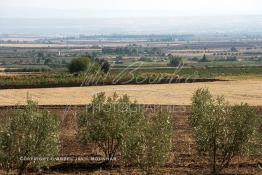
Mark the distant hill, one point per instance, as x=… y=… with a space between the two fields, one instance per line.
x=168 y=25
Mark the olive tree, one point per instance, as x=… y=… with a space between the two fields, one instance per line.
x=222 y=131
x=29 y=138
x=103 y=123
x=175 y=60
x=148 y=142
x=88 y=64
x=82 y=64
x=118 y=126
x=158 y=140
x=259 y=134
x=103 y=65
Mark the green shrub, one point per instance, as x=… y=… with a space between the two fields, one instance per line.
x=81 y=64
x=175 y=60
x=88 y=64
x=222 y=131
x=104 y=65
x=158 y=140
x=204 y=59
x=118 y=126
x=28 y=136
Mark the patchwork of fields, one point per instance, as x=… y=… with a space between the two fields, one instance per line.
x=159 y=62
x=235 y=91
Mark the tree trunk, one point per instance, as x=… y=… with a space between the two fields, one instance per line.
x=22 y=168
x=214 y=171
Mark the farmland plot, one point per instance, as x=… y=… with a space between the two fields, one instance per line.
x=249 y=91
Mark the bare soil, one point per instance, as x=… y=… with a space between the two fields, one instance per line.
x=184 y=159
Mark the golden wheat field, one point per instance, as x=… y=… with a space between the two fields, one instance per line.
x=236 y=91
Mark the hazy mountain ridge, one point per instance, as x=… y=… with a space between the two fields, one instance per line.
x=168 y=25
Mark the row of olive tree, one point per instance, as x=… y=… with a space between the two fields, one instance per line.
x=30 y=138
x=223 y=131
x=120 y=127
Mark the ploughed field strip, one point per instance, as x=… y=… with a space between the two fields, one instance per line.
x=249 y=91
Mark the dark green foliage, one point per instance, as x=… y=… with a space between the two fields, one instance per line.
x=63 y=61
x=29 y=69
x=48 y=61
x=88 y=64
x=204 y=58
x=40 y=55
x=118 y=58
x=80 y=64
x=104 y=65
x=233 y=49
x=223 y=131
x=175 y=60
x=132 y=51
x=231 y=58
x=195 y=59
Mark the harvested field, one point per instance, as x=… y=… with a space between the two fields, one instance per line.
x=46 y=45
x=19 y=39
x=15 y=74
x=237 y=91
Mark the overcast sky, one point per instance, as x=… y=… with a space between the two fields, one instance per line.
x=127 y=8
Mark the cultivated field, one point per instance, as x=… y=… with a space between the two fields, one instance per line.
x=235 y=91
x=184 y=161
x=44 y=45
